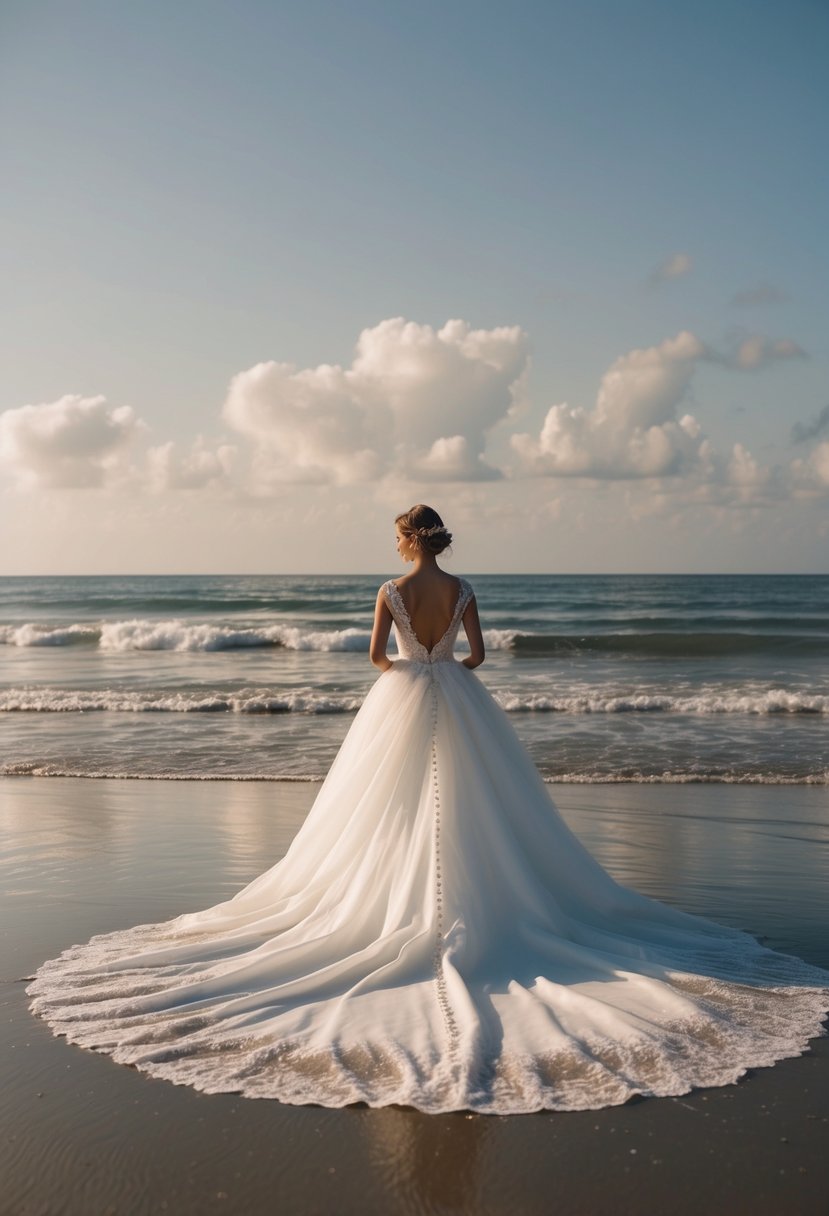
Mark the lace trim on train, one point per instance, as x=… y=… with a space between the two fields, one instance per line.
x=736 y=1028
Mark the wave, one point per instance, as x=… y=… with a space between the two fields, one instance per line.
x=40 y=635
x=771 y=701
x=667 y=645
x=120 y=636
x=34 y=769
x=180 y=635
x=668 y=777
x=249 y=701
x=309 y=701
x=688 y=778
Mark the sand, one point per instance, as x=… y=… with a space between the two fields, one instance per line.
x=80 y=1134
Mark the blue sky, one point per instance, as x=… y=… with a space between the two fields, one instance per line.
x=199 y=189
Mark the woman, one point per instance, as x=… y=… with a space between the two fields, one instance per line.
x=435 y=935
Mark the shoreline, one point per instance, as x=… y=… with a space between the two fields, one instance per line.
x=817 y=780
x=83 y=1135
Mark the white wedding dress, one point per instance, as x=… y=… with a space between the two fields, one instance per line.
x=437 y=937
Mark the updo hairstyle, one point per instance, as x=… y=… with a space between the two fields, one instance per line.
x=424 y=529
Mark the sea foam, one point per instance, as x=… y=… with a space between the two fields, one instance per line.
x=310 y=701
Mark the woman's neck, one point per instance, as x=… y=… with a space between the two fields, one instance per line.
x=425 y=561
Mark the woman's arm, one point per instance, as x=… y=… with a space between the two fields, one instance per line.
x=472 y=625
x=380 y=633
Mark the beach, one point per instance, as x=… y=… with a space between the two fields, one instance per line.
x=83 y=1135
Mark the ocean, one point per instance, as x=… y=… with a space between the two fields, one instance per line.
x=606 y=678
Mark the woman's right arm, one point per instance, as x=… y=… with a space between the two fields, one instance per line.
x=472 y=626
x=380 y=633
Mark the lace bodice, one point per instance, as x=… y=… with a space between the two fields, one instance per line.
x=407 y=642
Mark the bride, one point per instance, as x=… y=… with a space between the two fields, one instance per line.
x=435 y=935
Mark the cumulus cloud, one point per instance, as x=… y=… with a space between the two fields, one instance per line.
x=802 y=432
x=752 y=481
x=635 y=428
x=74 y=442
x=762 y=293
x=415 y=400
x=673 y=267
x=171 y=469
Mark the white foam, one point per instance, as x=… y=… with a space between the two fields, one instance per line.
x=39 y=635
x=247 y=701
x=180 y=635
x=671 y=778
x=183 y=635
x=307 y=700
x=771 y=701
x=34 y=769
x=501 y=639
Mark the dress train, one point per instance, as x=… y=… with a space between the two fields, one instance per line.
x=436 y=937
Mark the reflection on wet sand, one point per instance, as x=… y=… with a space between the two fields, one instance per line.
x=437 y=1160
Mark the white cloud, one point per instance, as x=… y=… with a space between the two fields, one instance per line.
x=634 y=429
x=73 y=442
x=419 y=404
x=751 y=482
x=170 y=469
x=637 y=429
x=415 y=400
x=305 y=425
x=673 y=267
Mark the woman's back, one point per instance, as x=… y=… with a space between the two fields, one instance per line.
x=430 y=599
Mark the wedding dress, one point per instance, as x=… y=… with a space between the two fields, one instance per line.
x=436 y=937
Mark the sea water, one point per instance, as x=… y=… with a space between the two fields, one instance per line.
x=639 y=678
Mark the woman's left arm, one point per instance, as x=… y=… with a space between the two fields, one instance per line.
x=472 y=626
x=380 y=633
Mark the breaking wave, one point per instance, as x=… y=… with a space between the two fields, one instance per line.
x=248 y=701
x=310 y=701
x=181 y=635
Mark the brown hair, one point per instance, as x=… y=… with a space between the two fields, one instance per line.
x=425 y=529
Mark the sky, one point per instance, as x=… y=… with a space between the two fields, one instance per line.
x=273 y=272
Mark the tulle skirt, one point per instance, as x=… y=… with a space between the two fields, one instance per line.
x=437 y=937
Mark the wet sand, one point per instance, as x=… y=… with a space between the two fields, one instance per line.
x=82 y=1135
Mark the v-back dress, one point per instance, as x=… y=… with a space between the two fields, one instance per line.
x=435 y=936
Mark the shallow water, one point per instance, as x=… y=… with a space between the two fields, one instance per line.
x=606 y=678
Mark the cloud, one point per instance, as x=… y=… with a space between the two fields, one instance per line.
x=170 y=469
x=635 y=428
x=811 y=475
x=421 y=405
x=758 y=351
x=762 y=293
x=802 y=432
x=75 y=442
x=673 y=267
x=752 y=481
x=415 y=400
